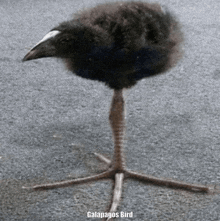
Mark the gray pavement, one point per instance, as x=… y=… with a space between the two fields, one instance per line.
x=52 y=122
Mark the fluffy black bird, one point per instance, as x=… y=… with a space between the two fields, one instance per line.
x=118 y=44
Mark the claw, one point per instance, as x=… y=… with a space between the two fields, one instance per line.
x=26 y=187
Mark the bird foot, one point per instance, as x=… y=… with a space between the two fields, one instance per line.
x=119 y=175
x=110 y=173
x=155 y=180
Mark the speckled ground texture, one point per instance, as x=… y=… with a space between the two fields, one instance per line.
x=52 y=122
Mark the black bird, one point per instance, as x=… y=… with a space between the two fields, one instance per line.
x=117 y=44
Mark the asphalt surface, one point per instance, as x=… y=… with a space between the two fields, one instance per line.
x=52 y=122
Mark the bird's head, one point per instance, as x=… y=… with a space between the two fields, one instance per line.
x=63 y=41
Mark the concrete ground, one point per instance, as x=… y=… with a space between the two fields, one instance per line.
x=52 y=122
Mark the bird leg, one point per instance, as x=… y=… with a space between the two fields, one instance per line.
x=117 y=122
x=117 y=168
x=118 y=127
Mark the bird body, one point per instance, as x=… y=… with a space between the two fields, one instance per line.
x=117 y=43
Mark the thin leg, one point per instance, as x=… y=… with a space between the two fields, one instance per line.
x=117 y=168
x=117 y=122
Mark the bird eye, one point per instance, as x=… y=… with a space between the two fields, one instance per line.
x=64 y=40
